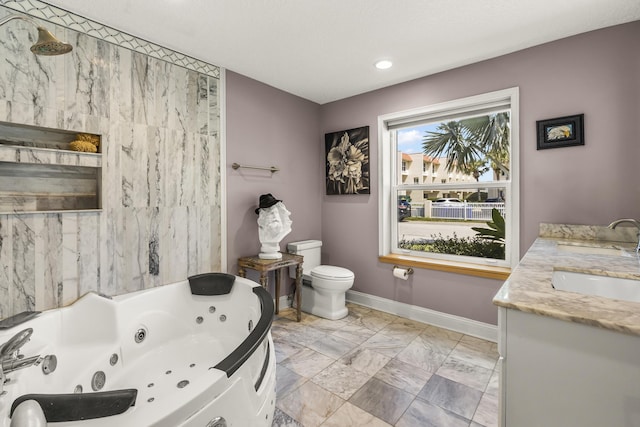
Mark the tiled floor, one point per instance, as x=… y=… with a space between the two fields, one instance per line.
x=374 y=369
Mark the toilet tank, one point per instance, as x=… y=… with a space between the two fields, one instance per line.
x=310 y=250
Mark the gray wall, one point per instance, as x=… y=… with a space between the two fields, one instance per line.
x=268 y=127
x=595 y=73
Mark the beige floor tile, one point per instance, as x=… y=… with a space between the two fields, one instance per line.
x=354 y=333
x=330 y=326
x=383 y=315
x=357 y=308
x=352 y=416
x=476 y=351
x=436 y=332
x=410 y=323
x=382 y=400
x=402 y=329
x=310 y=405
x=402 y=355
x=451 y=395
x=387 y=345
x=417 y=354
x=305 y=335
x=365 y=360
x=441 y=344
x=284 y=349
x=487 y=411
x=493 y=388
x=287 y=381
x=425 y=414
x=333 y=346
x=290 y=315
x=403 y=376
x=465 y=373
x=372 y=321
x=307 y=362
x=341 y=380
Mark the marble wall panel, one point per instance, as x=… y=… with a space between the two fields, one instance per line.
x=6 y=267
x=121 y=92
x=154 y=176
x=142 y=89
x=206 y=249
x=161 y=197
x=202 y=170
x=108 y=255
x=88 y=252
x=155 y=278
x=87 y=75
x=49 y=253
x=174 y=240
x=25 y=79
x=163 y=93
x=23 y=252
x=70 y=276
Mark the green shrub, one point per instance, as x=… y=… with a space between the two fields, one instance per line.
x=467 y=246
x=496 y=230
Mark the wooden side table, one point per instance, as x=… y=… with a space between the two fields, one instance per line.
x=264 y=266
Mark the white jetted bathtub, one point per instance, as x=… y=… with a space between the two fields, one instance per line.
x=192 y=353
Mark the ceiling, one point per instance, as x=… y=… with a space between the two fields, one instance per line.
x=324 y=50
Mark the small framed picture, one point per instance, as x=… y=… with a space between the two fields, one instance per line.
x=560 y=132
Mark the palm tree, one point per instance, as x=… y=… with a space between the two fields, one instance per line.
x=468 y=144
x=474 y=168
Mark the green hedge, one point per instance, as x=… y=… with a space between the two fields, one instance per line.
x=467 y=246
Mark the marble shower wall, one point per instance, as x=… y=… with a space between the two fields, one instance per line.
x=161 y=207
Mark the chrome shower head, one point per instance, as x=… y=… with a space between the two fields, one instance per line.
x=47 y=43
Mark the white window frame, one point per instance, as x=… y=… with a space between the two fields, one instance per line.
x=387 y=169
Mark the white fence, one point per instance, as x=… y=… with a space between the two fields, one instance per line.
x=465 y=210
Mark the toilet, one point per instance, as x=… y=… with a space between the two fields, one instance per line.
x=323 y=286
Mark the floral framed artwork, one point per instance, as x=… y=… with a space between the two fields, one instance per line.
x=347 y=156
x=560 y=132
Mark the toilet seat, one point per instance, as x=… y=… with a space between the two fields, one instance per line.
x=331 y=272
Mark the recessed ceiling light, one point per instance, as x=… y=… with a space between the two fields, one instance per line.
x=384 y=64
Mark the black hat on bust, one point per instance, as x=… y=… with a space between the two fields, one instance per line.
x=266 y=201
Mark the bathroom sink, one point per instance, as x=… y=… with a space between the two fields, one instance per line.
x=592 y=249
x=591 y=284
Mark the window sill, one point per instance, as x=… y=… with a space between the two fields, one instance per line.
x=486 y=271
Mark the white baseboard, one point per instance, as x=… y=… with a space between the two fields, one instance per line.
x=463 y=325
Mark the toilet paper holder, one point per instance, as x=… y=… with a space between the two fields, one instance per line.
x=409 y=270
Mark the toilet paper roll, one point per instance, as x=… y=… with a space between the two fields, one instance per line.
x=401 y=273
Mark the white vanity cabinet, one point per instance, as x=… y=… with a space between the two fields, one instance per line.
x=557 y=373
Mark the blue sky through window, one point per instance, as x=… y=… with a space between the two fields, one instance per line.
x=410 y=142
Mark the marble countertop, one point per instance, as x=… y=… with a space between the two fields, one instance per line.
x=529 y=289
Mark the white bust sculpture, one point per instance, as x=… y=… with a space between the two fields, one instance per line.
x=273 y=224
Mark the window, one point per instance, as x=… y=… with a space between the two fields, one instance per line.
x=468 y=212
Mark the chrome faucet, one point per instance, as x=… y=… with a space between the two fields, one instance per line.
x=19 y=363
x=15 y=343
x=10 y=357
x=615 y=223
